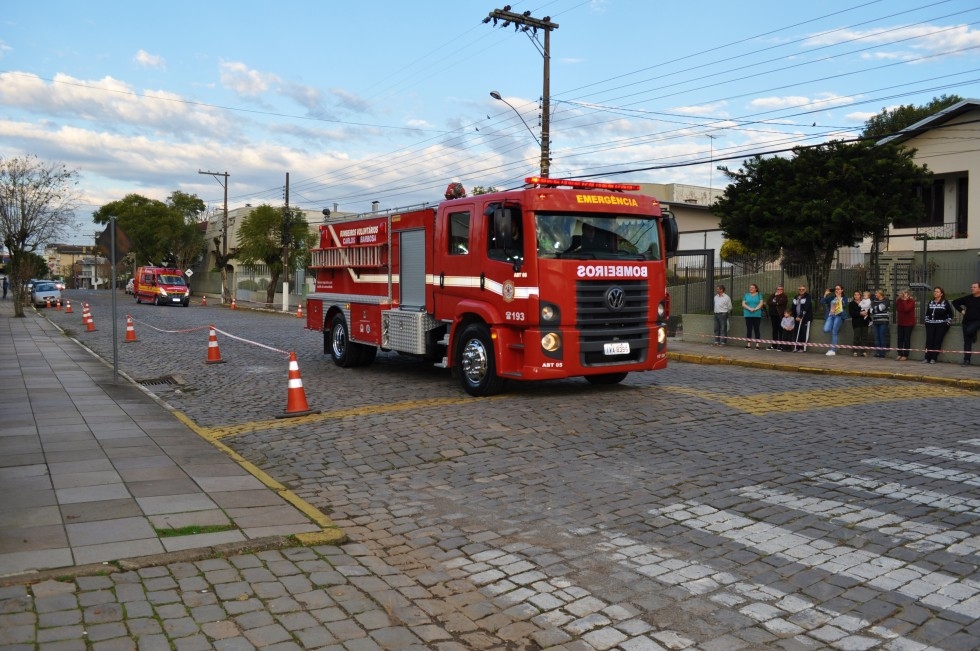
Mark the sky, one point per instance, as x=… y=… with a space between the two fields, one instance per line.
x=390 y=101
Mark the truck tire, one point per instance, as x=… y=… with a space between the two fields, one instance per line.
x=138 y=299
x=606 y=378
x=475 y=362
x=345 y=354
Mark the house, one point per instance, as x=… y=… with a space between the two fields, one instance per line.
x=948 y=236
x=691 y=206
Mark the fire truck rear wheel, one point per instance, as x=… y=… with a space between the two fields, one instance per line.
x=476 y=363
x=345 y=353
x=606 y=378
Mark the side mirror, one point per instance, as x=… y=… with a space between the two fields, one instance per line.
x=672 y=234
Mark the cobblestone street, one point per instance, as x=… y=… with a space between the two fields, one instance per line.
x=704 y=507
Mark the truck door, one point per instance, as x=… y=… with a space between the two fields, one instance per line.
x=456 y=266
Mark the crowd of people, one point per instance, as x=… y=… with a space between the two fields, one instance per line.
x=869 y=313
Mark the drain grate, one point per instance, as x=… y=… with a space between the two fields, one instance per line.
x=164 y=380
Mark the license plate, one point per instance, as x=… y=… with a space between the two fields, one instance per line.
x=617 y=348
x=175 y=300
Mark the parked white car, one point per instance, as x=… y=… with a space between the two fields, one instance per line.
x=44 y=293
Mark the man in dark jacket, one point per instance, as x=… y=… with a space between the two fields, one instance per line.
x=969 y=306
x=776 y=306
x=803 y=313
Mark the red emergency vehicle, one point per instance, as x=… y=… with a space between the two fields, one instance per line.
x=553 y=280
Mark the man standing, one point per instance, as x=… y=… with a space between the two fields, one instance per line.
x=776 y=306
x=723 y=308
x=969 y=306
x=6 y=286
x=803 y=313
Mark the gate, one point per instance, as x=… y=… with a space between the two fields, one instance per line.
x=691 y=281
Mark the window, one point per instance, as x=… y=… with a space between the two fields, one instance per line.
x=932 y=200
x=459 y=233
x=504 y=237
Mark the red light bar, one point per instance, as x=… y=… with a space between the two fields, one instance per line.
x=580 y=185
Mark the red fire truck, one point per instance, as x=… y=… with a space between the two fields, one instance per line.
x=556 y=279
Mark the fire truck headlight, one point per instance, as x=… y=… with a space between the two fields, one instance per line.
x=163 y=292
x=551 y=342
x=661 y=312
x=549 y=312
x=661 y=336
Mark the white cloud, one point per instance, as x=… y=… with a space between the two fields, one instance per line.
x=4 y=48
x=147 y=60
x=916 y=40
x=713 y=109
x=110 y=102
x=819 y=101
x=238 y=77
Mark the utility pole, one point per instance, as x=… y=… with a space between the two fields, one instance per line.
x=286 y=236
x=223 y=261
x=526 y=23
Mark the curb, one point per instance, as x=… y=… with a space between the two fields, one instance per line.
x=691 y=358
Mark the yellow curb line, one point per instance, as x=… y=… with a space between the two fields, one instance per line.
x=331 y=532
x=691 y=358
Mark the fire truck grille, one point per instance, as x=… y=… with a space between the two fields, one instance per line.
x=601 y=319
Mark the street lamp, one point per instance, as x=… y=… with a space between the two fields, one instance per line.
x=494 y=94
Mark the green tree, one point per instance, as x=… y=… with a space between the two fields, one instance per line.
x=189 y=242
x=159 y=233
x=260 y=241
x=37 y=206
x=819 y=200
x=893 y=120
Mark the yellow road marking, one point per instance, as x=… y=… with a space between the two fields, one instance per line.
x=215 y=433
x=760 y=404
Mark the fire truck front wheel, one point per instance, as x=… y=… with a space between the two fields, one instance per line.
x=475 y=362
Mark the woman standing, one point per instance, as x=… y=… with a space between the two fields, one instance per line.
x=835 y=317
x=939 y=314
x=776 y=306
x=752 y=309
x=859 y=325
x=880 y=320
x=905 y=313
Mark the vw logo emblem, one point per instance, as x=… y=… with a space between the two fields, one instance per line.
x=615 y=298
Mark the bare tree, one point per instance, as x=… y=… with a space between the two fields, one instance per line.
x=37 y=206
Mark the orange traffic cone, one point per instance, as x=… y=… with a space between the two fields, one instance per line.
x=299 y=312
x=295 y=397
x=130 y=331
x=57 y=303
x=84 y=313
x=233 y=303
x=214 y=354
x=90 y=324
x=68 y=309
x=204 y=299
x=47 y=303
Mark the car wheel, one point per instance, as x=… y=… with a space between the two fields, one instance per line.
x=475 y=362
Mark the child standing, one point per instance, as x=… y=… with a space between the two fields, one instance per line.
x=859 y=324
x=788 y=324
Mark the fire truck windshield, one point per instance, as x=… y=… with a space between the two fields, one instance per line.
x=168 y=279
x=597 y=236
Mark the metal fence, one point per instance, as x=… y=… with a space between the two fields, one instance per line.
x=693 y=276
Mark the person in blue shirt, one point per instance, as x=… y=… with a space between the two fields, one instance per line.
x=752 y=310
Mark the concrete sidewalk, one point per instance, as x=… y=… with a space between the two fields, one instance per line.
x=94 y=471
x=815 y=360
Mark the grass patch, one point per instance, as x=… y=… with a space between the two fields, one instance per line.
x=194 y=529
